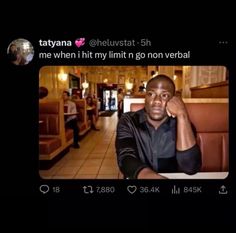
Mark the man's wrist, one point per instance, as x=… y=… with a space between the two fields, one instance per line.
x=182 y=115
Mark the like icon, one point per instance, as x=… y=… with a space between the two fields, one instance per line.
x=132 y=189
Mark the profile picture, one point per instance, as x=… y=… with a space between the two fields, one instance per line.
x=20 y=52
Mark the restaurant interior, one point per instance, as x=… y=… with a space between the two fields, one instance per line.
x=204 y=89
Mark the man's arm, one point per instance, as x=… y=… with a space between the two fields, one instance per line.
x=188 y=153
x=185 y=136
x=126 y=148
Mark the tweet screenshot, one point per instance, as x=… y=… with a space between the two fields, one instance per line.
x=135 y=119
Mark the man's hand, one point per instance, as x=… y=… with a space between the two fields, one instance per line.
x=147 y=173
x=175 y=107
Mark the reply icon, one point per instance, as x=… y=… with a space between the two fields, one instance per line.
x=44 y=188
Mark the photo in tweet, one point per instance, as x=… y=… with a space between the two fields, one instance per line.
x=126 y=122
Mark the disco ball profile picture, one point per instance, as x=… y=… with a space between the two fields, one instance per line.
x=20 y=52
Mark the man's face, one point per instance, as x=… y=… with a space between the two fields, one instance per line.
x=65 y=96
x=89 y=100
x=158 y=93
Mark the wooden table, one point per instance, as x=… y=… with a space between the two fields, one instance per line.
x=199 y=175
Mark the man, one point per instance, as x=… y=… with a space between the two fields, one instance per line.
x=71 y=117
x=141 y=87
x=120 y=98
x=158 y=138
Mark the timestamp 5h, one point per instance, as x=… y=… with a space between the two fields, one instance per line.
x=144 y=42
